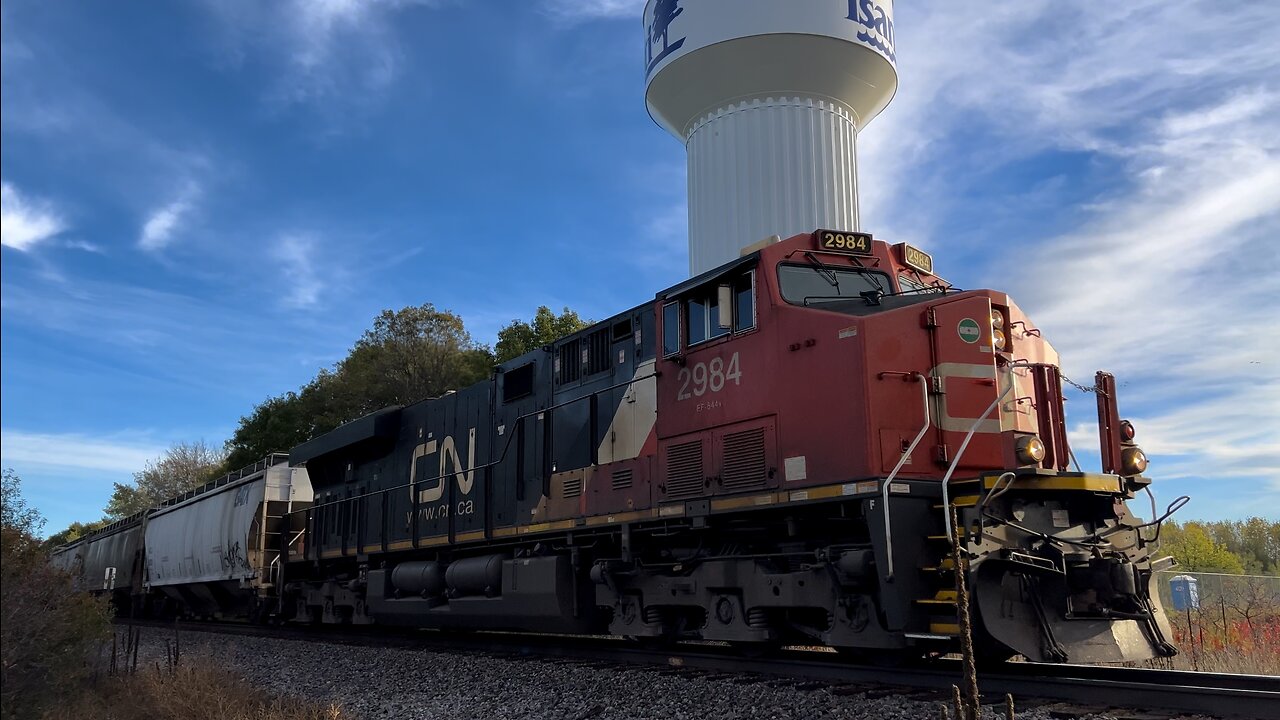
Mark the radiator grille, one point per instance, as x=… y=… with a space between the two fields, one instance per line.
x=744 y=461
x=622 y=479
x=572 y=486
x=684 y=470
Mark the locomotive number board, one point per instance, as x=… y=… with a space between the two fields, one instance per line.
x=854 y=243
x=917 y=258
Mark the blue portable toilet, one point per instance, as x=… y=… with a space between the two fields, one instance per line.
x=1185 y=590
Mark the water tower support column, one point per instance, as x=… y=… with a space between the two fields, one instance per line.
x=773 y=165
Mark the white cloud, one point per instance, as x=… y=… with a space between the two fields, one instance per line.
x=160 y=226
x=21 y=449
x=581 y=10
x=295 y=253
x=24 y=222
x=84 y=245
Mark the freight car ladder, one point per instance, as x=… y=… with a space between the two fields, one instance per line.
x=938 y=582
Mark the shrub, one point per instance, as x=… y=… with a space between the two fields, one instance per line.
x=48 y=632
x=195 y=692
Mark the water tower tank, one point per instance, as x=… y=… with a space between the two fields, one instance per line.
x=768 y=97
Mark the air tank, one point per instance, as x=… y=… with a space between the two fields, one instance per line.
x=768 y=98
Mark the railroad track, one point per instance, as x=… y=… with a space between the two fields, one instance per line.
x=1091 y=688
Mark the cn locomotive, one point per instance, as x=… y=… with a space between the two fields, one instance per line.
x=763 y=454
x=783 y=450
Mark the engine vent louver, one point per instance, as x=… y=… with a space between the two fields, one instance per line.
x=744 y=461
x=684 y=470
x=622 y=479
x=572 y=486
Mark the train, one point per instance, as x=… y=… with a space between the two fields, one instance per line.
x=810 y=444
x=214 y=551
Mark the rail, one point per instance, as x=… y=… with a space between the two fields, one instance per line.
x=906 y=455
x=1099 y=688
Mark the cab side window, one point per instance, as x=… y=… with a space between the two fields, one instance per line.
x=670 y=329
x=700 y=313
x=744 y=302
x=704 y=316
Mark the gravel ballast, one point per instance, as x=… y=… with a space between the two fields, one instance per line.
x=372 y=683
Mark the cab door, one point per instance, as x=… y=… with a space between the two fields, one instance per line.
x=964 y=374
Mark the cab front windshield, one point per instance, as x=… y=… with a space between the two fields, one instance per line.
x=813 y=285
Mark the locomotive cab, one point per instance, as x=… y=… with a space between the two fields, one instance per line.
x=936 y=398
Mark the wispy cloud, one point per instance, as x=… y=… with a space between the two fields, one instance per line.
x=163 y=222
x=26 y=222
x=322 y=49
x=85 y=245
x=583 y=10
x=22 y=449
x=295 y=252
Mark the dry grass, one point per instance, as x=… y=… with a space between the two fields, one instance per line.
x=1251 y=647
x=186 y=693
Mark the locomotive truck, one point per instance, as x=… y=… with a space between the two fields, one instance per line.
x=767 y=453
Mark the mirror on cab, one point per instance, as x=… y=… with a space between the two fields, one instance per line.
x=724 y=307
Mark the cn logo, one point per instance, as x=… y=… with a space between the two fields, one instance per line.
x=450 y=461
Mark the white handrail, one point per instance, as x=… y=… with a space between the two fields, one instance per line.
x=946 y=498
x=884 y=492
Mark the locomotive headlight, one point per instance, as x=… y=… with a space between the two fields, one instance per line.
x=1030 y=450
x=1127 y=431
x=997 y=339
x=997 y=319
x=1133 y=461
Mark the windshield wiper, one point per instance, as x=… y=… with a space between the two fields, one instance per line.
x=870 y=297
x=827 y=273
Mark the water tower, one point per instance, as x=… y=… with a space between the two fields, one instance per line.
x=768 y=97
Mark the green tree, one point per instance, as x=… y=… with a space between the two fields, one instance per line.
x=183 y=466
x=72 y=533
x=21 y=522
x=1194 y=549
x=520 y=337
x=275 y=425
x=408 y=355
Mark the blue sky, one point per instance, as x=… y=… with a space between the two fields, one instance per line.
x=205 y=202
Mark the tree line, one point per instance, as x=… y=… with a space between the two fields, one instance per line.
x=407 y=355
x=1250 y=546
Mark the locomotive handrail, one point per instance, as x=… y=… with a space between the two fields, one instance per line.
x=888 y=527
x=946 y=479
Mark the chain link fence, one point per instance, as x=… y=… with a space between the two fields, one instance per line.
x=1223 y=623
